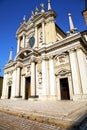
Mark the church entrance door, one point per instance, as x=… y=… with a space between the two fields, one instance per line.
x=9 y=92
x=64 y=87
x=28 y=88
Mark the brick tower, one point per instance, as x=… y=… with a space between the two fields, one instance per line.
x=85 y=12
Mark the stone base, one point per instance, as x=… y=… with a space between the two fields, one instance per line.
x=4 y=97
x=33 y=98
x=16 y=98
x=80 y=97
x=46 y=97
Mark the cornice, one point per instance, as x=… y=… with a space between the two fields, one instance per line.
x=70 y=40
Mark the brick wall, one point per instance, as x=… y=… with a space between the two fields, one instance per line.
x=1 y=82
x=85 y=16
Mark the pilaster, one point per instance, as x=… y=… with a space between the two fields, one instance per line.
x=83 y=69
x=43 y=31
x=13 y=83
x=18 y=45
x=45 y=82
x=36 y=36
x=33 y=77
x=52 y=77
x=18 y=80
x=4 y=89
x=24 y=40
x=75 y=72
x=70 y=87
x=23 y=86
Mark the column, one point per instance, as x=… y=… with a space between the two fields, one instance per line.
x=23 y=86
x=18 y=45
x=70 y=86
x=43 y=32
x=33 y=78
x=13 y=84
x=36 y=37
x=4 y=89
x=45 y=86
x=83 y=69
x=58 y=88
x=24 y=40
x=52 y=77
x=75 y=72
x=18 y=82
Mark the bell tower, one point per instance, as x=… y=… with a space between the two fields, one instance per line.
x=85 y=12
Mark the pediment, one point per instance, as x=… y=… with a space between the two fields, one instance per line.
x=24 y=53
x=23 y=27
x=62 y=72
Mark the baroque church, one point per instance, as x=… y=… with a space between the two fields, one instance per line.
x=49 y=64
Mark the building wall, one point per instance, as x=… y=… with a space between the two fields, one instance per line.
x=1 y=83
x=54 y=68
x=85 y=16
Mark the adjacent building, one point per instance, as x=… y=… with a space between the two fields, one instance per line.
x=49 y=64
x=1 y=83
x=85 y=12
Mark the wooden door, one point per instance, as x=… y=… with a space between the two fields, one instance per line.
x=28 y=88
x=64 y=89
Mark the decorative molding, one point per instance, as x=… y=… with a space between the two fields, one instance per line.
x=62 y=72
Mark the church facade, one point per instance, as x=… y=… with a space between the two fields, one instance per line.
x=49 y=64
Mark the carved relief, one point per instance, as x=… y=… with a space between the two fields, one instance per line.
x=61 y=59
x=9 y=82
x=40 y=77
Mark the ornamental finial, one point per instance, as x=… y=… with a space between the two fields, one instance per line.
x=10 y=56
x=49 y=5
x=24 y=18
x=42 y=7
x=36 y=11
x=72 y=28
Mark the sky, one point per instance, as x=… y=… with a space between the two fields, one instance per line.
x=12 y=12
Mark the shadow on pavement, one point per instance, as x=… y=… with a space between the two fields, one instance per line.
x=80 y=124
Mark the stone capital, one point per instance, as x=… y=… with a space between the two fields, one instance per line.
x=50 y=57
x=33 y=59
x=71 y=50
x=44 y=57
x=19 y=65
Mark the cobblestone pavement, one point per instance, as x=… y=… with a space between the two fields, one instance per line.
x=10 y=122
x=60 y=113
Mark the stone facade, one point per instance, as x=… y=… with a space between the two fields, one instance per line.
x=49 y=64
